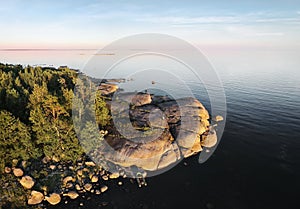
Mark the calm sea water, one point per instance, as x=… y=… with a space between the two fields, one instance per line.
x=257 y=163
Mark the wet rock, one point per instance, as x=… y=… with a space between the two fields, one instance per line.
x=114 y=175
x=54 y=199
x=90 y=163
x=78 y=187
x=211 y=139
x=35 y=198
x=105 y=178
x=88 y=187
x=94 y=179
x=107 y=88
x=80 y=172
x=69 y=185
x=67 y=179
x=103 y=189
x=18 y=172
x=218 y=118
x=72 y=194
x=27 y=182
x=52 y=167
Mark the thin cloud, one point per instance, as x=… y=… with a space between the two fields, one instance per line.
x=267 y=34
x=271 y=20
x=190 y=20
x=250 y=18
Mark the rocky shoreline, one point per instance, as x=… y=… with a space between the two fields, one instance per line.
x=60 y=180
x=183 y=127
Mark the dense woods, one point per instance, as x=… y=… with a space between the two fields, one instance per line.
x=36 y=121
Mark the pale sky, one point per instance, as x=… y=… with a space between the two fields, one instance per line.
x=95 y=23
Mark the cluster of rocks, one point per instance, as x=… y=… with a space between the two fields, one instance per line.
x=182 y=127
x=72 y=181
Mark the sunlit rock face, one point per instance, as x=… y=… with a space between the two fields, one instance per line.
x=160 y=130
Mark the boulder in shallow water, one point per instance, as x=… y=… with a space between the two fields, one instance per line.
x=94 y=179
x=210 y=139
x=72 y=194
x=103 y=188
x=114 y=175
x=218 y=118
x=54 y=199
x=88 y=187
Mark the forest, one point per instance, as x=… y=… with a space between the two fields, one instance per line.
x=36 y=122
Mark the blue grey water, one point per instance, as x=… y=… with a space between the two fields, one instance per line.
x=257 y=163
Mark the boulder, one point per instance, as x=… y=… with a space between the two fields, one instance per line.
x=27 y=182
x=218 y=118
x=52 y=167
x=90 y=163
x=210 y=139
x=88 y=187
x=54 y=199
x=77 y=187
x=114 y=175
x=7 y=169
x=35 y=198
x=18 y=172
x=94 y=179
x=103 y=189
x=133 y=98
x=107 y=88
x=67 y=179
x=72 y=194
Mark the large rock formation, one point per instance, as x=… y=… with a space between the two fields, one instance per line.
x=159 y=130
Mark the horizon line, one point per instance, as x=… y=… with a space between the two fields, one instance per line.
x=45 y=49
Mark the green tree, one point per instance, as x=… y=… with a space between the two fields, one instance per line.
x=52 y=126
x=101 y=111
x=15 y=140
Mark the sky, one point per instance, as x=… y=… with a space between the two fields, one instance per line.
x=92 y=24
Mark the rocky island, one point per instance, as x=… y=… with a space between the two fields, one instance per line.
x=183 y=126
